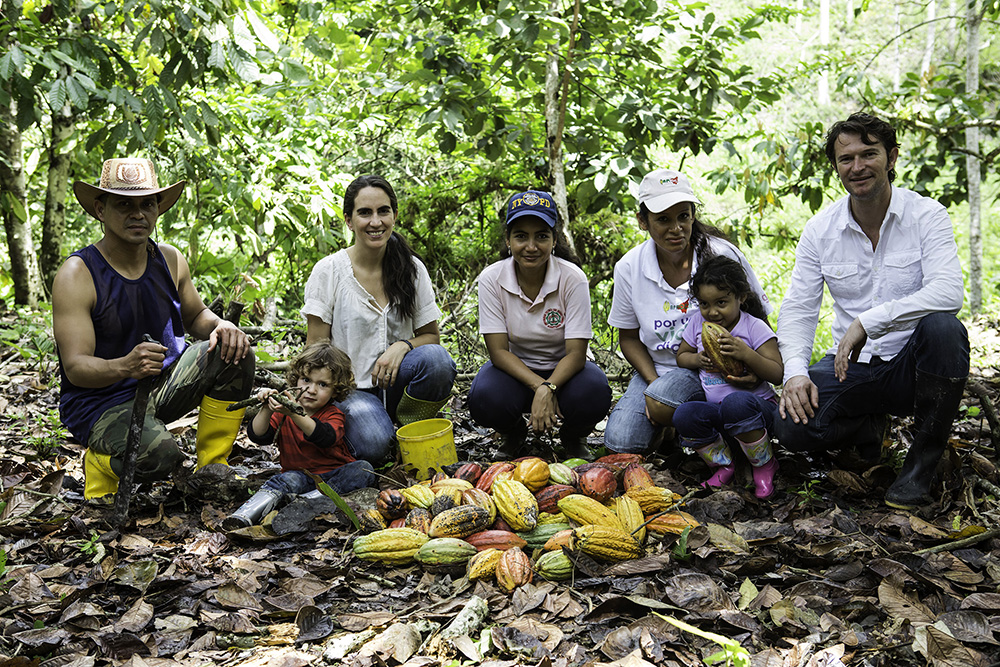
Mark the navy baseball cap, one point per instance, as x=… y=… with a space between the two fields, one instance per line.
x=534 y=203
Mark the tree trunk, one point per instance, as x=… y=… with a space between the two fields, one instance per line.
x=973 y=20
x=553 y=134
x=823 y=92
x=897 y=64
x=925 y=64
x=13 y=200
x=54 y=222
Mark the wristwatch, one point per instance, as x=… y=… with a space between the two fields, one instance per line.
x=550 y=386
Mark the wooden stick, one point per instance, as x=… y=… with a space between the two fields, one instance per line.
x=123 y=497
x=958 y=544
x=280 y=398
x=990 y=411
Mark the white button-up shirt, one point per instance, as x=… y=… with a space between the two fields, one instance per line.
x=358 y=324
x=912 y=271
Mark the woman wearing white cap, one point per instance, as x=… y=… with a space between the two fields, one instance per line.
x=651 y=306
x=534 y=313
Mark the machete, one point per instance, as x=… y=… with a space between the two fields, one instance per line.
x=132 y=442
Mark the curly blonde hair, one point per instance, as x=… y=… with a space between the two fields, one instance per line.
x=324 y=355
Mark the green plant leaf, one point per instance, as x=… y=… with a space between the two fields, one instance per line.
x=335 y=497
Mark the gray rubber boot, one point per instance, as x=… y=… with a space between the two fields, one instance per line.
x=252 y=510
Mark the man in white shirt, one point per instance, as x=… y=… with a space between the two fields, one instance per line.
x=889 y=259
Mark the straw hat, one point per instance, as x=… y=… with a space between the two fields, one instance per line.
x=129 y=177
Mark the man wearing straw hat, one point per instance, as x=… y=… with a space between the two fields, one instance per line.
x=109 y=301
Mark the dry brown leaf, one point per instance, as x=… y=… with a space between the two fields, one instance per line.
x=942 y=650
x=902 y=606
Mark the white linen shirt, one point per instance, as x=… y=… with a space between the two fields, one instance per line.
x=537 y=329
x=358 y=325
x=912 y=271
x=644 y=300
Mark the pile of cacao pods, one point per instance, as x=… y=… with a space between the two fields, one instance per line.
x=489 y=521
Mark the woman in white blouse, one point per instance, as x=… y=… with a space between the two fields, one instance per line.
x=375 y=301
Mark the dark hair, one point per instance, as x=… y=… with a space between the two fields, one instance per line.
x=871 y=129
x=726 y=274
x=700 y=231
x=324 y=355
x=399 y=272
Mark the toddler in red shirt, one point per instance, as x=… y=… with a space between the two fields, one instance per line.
x=314 y=442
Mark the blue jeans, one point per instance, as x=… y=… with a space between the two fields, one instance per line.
x=348 y=477
x=701 y=423
x=629 y=430
x=498 y=401
x=852 y=412
x=427 y=373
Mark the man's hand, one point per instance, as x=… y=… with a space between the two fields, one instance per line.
x=748 y=380
x=850 y=348
x=145 y=360
x=233 y=343
x=799 y=398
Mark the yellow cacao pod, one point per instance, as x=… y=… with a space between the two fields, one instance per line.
x=584 y=510
x=483 y=565
x=653 y=499
x=418 y=495
x=451 y=484
x=608 y=544
x=482 y=499
x=515 y=504
x=393 y=546
x=710 y=333
x=672 y=522
x=631 y=517
x=460 y=521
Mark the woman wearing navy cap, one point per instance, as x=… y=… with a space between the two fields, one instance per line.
x=534 y=314
x=651 y=307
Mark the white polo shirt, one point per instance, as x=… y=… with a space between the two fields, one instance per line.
x=358 y=325
x=537 y=328
x=644 y=300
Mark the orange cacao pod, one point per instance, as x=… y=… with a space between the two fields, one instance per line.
x=533 y=472
x=636 y=476
x=620 y=461
x=513 y=569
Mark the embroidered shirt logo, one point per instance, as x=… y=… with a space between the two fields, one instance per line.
x=683 y=306
x=552 y=318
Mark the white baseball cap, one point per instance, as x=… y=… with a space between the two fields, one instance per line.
x=664 y=188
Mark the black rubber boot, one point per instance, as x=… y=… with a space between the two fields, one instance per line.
x=935 y=406
x=512 y=444
x=575 y=447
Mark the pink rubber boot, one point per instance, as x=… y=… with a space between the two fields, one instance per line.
x=765 y=465
x=718 y=456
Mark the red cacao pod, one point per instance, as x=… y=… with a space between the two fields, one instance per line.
x=598 y=483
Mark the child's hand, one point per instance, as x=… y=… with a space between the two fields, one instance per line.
x=748 y=381
x=734 y=347
x=706 y=364
x=268 y=401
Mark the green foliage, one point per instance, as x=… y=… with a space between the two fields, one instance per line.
x=46 y=434
x=808 y=493
x=732 y=653
x=31 y=335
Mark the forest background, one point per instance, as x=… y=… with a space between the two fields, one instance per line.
x=269 y=108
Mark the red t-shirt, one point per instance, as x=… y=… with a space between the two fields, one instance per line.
x=322 y=452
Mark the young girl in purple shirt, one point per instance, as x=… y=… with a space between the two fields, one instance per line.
x=733 y=412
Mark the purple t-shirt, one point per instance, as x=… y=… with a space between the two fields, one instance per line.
x=753 y=332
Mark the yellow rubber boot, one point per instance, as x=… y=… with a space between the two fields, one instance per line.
x=217 y=430
x=99 y=479
x=412 y=409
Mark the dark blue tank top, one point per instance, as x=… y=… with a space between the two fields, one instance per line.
x=124 y=311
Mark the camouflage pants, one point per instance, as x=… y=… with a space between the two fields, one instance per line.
x=176 y=392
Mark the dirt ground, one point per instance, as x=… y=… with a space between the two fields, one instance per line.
x=821 y=574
